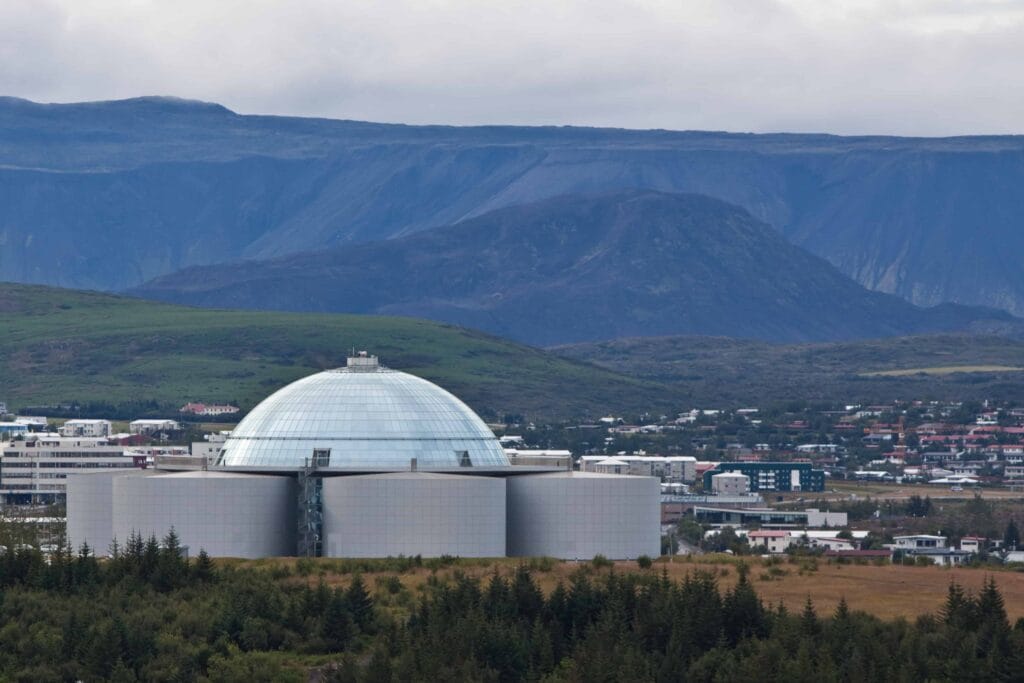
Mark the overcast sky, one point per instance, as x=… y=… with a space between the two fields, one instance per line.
x=914 y=67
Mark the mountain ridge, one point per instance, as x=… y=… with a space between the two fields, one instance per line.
x=159 y=185
x=581 y=268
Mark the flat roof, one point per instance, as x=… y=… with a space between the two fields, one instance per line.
x=496 y=471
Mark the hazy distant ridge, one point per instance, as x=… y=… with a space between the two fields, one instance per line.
x=583 y=268
x=111 y=194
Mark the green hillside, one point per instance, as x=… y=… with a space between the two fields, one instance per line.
x=62 y=346
x=722 y=372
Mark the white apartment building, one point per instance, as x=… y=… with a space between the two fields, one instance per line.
x=34 y=470
x=682 y=468
x=87 y=428
x=153 y=426
x=210 y=448
x=1014 y=472
x=730 y=484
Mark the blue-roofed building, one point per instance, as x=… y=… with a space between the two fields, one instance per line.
x=11 y=429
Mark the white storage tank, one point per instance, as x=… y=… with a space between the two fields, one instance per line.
x=90 y=508
x=227 y=514
x=577 y=515
x=413 y=513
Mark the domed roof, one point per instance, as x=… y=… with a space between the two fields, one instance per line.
x=371 y=418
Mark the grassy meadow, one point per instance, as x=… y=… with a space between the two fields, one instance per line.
x=61 y=346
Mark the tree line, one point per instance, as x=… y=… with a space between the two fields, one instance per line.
x=148 y=613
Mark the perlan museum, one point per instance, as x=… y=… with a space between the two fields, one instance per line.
x=364 y=461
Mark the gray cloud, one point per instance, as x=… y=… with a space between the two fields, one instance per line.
x=917 y=67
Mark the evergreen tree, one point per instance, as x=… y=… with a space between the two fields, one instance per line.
x=993 y=639
x=337 y=623
x=743 y=614
x=172 y=567
x=121 y=673
x=959 y=610
x=378 y=670
x=990 y=603
x=842 y=611
x=360 y=604
x=1011 y=537
x=86 y=569
x=809 y=619
x=150 y=558
x=133 y=550
x=528 y=599
x=203 y=569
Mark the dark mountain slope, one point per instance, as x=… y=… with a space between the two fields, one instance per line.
x=577 y=268
x=156 y=184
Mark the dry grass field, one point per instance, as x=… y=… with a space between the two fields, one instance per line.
x=942 y=370
x=883 y=590
x=843 y=490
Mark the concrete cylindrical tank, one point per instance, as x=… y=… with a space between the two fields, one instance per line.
x=577 y=515
x=90 y=508
x=413 y=513
x=227 y=514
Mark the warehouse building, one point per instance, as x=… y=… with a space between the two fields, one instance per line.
x=364 y=461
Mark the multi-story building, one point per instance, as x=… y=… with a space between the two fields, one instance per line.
x=681 y=468
x=33 y=470
x=773 y=476
x=86 y=428
x=730 y=483
x=209 y=449
x=1014 y=472
x=153 y=426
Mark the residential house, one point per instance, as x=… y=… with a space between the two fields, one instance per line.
x=775 y=542
x=919 y=542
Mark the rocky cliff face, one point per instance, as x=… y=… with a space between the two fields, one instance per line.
x=154 y=185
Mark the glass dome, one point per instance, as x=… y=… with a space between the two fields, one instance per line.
x=370 y=418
